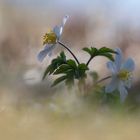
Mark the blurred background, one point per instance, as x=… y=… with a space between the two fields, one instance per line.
x=23 y=97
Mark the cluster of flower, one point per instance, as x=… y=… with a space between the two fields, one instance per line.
x=121 y=70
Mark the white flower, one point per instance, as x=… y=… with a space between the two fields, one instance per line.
x=50 y=40
x=121 y=75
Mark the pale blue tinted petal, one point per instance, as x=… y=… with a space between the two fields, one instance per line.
x=56 y=30
x=123 y=92
x=118 y=58
x=112 y=86
x=59 y=29
x=63 y=23
x=43 y=53
x=65 y=20
x=112 y=67
x=50 y=53
x=128 y=83
x=129 y=64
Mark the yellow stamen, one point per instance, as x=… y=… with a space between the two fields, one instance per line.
x=49 y=38
x=124 y=75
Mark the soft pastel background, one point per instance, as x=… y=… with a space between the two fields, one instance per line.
x=30 y=109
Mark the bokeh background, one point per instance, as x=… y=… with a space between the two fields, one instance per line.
x=24 y=98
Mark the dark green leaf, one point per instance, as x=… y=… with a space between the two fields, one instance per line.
x=94 y=51
x=71 y=63
x=91 y=51
x=62 y=69
x=55 y=63
x=47 y=71
x=108 y=55
x=63 y=56
x=106 y=50
x=58 y=80
x=87 y=50
x=83 y=66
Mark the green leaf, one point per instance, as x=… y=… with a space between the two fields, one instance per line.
x=87 y=50
x=83 y=66
x=108 y=55
x=58 y=80
x=106 y=50
x=62 y=69
x=55 y=63
x=94 y=51
x=49 y=68
x=71 y=63
x=80 y=71
x=63 y=56
x=91 y=51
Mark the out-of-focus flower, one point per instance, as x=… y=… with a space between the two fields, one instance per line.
x=32 y=77
x=121 y=74
x=50 y=40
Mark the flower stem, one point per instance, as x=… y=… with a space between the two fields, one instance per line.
x=69 y=51
x=104 y=79
x=89 y=60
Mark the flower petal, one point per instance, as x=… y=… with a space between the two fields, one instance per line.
x=111 y=66
x=65 y=20
x=123 y=92
x=56 y=30
x=113 y=85
x=129 y=64
x=59 y=29
x=63 y=24
x=47 y=50
x=128 y=83
x=118 y=58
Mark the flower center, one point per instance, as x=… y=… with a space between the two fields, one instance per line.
x=124 y=75
x=49 y=38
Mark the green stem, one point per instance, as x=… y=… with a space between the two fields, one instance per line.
x=69 y=51
x=104 y=79
x=89 y=60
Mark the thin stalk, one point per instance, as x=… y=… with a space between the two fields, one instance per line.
x=89 y=60
x=104 y=79
x=69 y=51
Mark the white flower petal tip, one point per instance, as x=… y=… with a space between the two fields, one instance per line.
x=66 y=17
x=129 y=64
x=118 y=58
x=59 y=29
x=119 y=51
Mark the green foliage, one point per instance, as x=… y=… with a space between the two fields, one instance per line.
x=60 y=79
x=67 y=68
x=104 y=51
x=55 y=64
x=91 y=51
x=70 y=72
